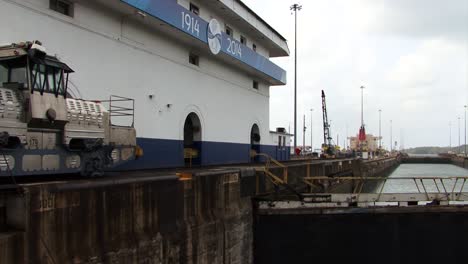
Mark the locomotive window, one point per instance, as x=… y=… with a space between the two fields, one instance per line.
x=18 y=75
x=38 y=78
x=12 y=73
x=13 y=70
x=48 y=79
x=56 y=80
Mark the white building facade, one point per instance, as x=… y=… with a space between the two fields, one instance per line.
x=199 y=71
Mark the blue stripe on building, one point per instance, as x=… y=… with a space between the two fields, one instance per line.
x=166 y=153
x=170 y=12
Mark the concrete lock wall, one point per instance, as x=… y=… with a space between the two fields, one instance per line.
x=335 y=168
x=198 y=220
x=413 y=236
x=460 y=161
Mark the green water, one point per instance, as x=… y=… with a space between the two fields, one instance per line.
x=426 y=170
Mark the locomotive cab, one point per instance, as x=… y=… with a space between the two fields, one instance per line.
x=33 y=90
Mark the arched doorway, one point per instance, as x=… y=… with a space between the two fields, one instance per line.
x=192 y=140
x=254 y=142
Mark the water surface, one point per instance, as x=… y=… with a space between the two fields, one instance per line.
x=426 y=170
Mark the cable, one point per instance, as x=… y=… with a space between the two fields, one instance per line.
x=76 y=88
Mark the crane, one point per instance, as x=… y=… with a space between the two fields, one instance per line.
x=328 y=148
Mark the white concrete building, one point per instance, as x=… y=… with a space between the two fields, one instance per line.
x=199 y=71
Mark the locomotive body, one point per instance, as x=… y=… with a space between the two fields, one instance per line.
x=45 y=131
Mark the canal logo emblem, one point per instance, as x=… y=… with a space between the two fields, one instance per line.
x=214 y=36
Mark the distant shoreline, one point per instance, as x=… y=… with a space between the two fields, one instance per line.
x=434 y=150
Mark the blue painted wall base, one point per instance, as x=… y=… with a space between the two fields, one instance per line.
x=166 y=153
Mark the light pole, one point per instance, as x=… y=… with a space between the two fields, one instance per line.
x=311 y=130
x=347 y=137
x=391 y=136
x=450 y=136
x=380 y=129
x=303 y=137
x=362 y=106
x=459 y=135
x=465 y=130
x=295 y=8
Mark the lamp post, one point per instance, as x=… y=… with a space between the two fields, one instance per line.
x=450 y=136
x=459 y=151
x=303 y=137
x=295 y=8
x=346 y=144
x=362 y=105
x=380 y=129
x=311 y=130
x=391 y=136
x=465 y=130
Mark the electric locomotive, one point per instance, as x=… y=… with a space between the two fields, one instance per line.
x=43 y=130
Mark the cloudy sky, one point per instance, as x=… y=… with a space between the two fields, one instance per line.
x=411 y=55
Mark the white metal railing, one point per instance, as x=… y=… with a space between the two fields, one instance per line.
x=444 y=189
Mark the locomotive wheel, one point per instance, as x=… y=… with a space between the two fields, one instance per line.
x=93 y=166
x=4 y=139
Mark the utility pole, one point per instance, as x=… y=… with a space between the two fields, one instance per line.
x=459 y=151
x=295 y=8
x=380 y=129
x=362 y=105
x=391 y=137
x=311 y=130
x=465 y=130
x=346 y=142
x=303 y=137
x=450 y=136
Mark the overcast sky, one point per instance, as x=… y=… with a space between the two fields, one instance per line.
x=411 y=55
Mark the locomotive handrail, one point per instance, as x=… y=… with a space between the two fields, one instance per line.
x=121 y=110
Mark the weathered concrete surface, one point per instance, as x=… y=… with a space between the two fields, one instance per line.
x=358 y=235
x=11 y=247
x=460 y=161
x=148 y=220
x=218 y=219
x=378 y=167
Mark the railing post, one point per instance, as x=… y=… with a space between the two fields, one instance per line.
x=461 y=189
x=257 y=189
x=285 y=174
